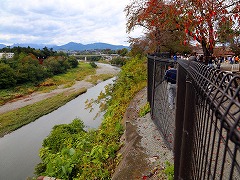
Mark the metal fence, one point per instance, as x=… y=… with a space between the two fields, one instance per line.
x=204 y=129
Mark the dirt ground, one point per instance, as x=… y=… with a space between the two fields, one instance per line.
x=36 y=96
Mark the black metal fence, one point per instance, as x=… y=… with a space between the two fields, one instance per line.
x=204 y=128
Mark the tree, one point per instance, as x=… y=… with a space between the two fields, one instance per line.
x=7 y=76
x=235 y=44
x=123 y=52
x=56 y=64
x=200 y=20
x=139 y=46
x=29 y=70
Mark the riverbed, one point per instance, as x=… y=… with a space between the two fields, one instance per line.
x=19 y=149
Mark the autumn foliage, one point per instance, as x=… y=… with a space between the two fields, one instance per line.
x=201 y=21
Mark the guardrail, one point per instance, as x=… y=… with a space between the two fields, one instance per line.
x=204 y=129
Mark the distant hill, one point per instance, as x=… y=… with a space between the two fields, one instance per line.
x=2 y=46
x=36 y=46
x=71 y=46
x=82 y=47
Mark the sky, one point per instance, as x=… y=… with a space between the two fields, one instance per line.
x=61 y=21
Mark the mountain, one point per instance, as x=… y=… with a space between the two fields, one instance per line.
x=71 y=46
x=36 y=46
x=82 y=47
x=2 y=46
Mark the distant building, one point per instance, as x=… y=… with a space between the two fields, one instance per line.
x=223 y=51
x=198 y=50
x=6 y=55
x=217 y=51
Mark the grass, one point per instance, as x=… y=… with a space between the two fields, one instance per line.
x=94 y=78
x=13 y=120
x=144 y=110
x=76 y=74
x=67 y=80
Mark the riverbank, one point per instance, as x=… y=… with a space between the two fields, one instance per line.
x=36 y=96
x=24 y=110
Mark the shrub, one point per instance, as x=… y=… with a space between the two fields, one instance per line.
x=119 y=61
x=93 y=64
x=73 y=61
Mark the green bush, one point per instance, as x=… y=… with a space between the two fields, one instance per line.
x=120 y=61
x=73 y=61
x=93 y=64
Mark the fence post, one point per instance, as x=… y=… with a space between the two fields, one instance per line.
x=153 y=86
x=188 y=129
x=179 y=119
x=149 y=82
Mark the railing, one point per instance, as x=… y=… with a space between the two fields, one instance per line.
x=204 y=130
x=162 y=116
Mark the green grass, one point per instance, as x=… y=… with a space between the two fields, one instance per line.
x=76 y=74
x=94 y=78
x=169 y=170
x=144 y=110
x=13 y=120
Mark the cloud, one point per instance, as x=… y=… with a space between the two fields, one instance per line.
x=60 y=21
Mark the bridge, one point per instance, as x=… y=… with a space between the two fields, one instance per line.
x=85 y=57
x=203 y=130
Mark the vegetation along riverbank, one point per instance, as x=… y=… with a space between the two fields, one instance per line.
x=69 y=152
x=58 y=90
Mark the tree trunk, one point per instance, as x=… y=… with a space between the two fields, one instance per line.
x=158 y=41
x=206 y=52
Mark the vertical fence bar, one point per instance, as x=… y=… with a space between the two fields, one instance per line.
x=188 y=129
x=180 y=105
x=153 y=86
x=149 y=78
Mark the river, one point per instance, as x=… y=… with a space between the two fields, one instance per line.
x=19 y=149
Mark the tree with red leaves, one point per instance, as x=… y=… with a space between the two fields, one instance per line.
x=200 y=20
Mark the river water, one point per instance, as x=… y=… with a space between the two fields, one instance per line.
x=19 y=149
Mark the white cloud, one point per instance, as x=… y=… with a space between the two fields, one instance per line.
x=61 y=21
